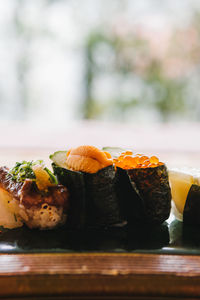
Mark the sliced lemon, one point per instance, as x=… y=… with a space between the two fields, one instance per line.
x=180 y=182
x=43 y=180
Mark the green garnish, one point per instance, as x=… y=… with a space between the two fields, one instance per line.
x=51 y=176
x=23 y=170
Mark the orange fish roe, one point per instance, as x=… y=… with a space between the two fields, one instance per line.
x=143 y=159
x=127 y=160
x=128 y=153
x=154 y=160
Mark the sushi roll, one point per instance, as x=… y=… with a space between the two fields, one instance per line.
x=185 y=185
x=89 y=175
x=29 y=194
x=143 y=188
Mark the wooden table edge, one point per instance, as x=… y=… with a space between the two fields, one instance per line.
x=99 y=274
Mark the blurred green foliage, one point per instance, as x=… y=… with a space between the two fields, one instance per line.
x=163 y=76
x=131 y=72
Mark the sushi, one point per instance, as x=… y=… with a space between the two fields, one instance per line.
x=143 y=188
x=185 y=185
x=29 y=194
x=108 y=191
x=89 y=175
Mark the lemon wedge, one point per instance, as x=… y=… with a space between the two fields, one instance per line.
x=180 y=182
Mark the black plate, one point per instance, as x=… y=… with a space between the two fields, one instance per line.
x=170 y=237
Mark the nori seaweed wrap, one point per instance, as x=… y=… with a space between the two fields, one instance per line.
x=76 y=186
x=191 y=213
x=143 y=188
x=94 y=201
x=147 y=196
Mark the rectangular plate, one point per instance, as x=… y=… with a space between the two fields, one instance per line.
x=172 y=237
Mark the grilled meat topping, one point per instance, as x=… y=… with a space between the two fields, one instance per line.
x=28 y=194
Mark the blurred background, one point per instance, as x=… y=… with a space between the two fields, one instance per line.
x=117 y=66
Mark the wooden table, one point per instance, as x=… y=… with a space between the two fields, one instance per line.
x=97 y=276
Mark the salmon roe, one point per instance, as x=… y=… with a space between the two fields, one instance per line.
x=128 y=160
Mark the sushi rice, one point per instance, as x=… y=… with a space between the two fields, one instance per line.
x=14 y=215
x=9 y=211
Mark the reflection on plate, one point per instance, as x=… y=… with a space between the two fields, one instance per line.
x=170 y=237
